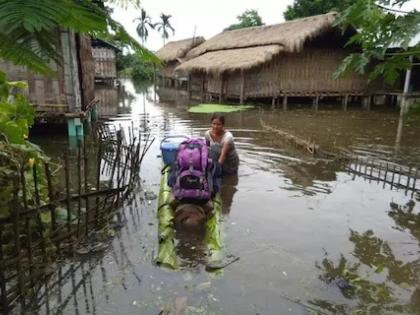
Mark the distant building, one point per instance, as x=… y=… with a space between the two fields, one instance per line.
x=70 y=89
x=172 y=55
x=105 y=60
x=291 y=59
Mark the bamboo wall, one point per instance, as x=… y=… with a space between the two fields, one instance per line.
x=107 y=97
x=305 y=73
x=45 y=93
x=105 y=67
x=87 y=70
x=58 y=93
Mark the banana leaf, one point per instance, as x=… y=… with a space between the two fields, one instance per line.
x=166 y=253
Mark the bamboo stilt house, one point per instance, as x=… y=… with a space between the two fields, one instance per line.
x=105 y=60
x=173 y=53
x=296 y=58
x=70 y=89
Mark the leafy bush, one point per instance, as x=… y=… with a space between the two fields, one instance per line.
x=17 y=155
x=134 y=67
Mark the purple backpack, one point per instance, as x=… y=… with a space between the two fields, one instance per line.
x=193 y=171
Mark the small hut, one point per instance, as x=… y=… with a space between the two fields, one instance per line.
x=105 y=60
x=65 y=95
x=172 y=54
x=296 y=58
x=71 y=88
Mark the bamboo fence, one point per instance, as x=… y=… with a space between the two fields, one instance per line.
x=85 y=195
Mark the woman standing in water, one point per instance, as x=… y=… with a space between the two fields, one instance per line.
x=222 y=147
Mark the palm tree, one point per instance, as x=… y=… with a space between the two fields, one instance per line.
x=164 y=25
x=144 y=23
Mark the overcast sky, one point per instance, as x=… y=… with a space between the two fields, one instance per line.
x=208 y=18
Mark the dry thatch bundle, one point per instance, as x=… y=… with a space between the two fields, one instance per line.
x=291 y=35
x=216 y=62
x=173 y=51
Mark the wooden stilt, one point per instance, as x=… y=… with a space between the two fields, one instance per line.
x=273 y=102
x=345 y=101
x=202 y=87
x=315 y=102
x=189 y=86
x=285 y=102
x=221 y=90
x=366 y=102
x=241 y=98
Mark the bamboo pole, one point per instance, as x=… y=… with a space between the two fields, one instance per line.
x=38 y=214
x=345 y=101
x=285 y=102
x=315 y=103
x=79 y=188
x=222 y=81
x=242 y=95
x=4 y=300
x=27 y=226
x=98 y=177
x=68 y=202
x=86 y=190
x=16 y=208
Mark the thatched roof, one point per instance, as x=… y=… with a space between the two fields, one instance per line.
x=178 y=49
x=230 y=60
x=245 y=48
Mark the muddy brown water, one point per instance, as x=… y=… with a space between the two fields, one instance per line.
x=311 y=234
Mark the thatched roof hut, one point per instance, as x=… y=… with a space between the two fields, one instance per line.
x=291 y=58
x=256 y=45
x=173 y=52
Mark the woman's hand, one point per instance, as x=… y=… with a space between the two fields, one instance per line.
x=223 y=153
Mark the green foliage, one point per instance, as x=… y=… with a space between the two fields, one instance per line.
x=16 y=153
x=29 y=28
x=132 y=66
x=248 y=18
x=16 y=114
x=378 y=31
x=119 y=34
x=374 y=283
x=164 y=26
x=304 y=8
x=28 y=33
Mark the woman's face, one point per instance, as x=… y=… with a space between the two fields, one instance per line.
x=217 y=126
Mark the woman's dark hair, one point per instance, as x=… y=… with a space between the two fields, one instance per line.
x=218 y=116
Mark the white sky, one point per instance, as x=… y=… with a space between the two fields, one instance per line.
x=209 y=17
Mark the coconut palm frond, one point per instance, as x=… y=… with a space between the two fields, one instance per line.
x=145 y=22
x=164 y=25
x=122 y=34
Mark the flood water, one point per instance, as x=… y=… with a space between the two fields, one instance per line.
x=314 y=235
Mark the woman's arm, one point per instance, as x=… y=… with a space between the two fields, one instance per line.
x=225 y=149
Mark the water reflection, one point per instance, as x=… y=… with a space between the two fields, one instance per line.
x=227 y=192
x=375 y=280
x=113 y=100
x=283 y=209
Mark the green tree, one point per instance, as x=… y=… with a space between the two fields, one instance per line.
x=145 y=22
x=386 y=37
x=164 y=25
x=303 y=8
x=248 y=18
